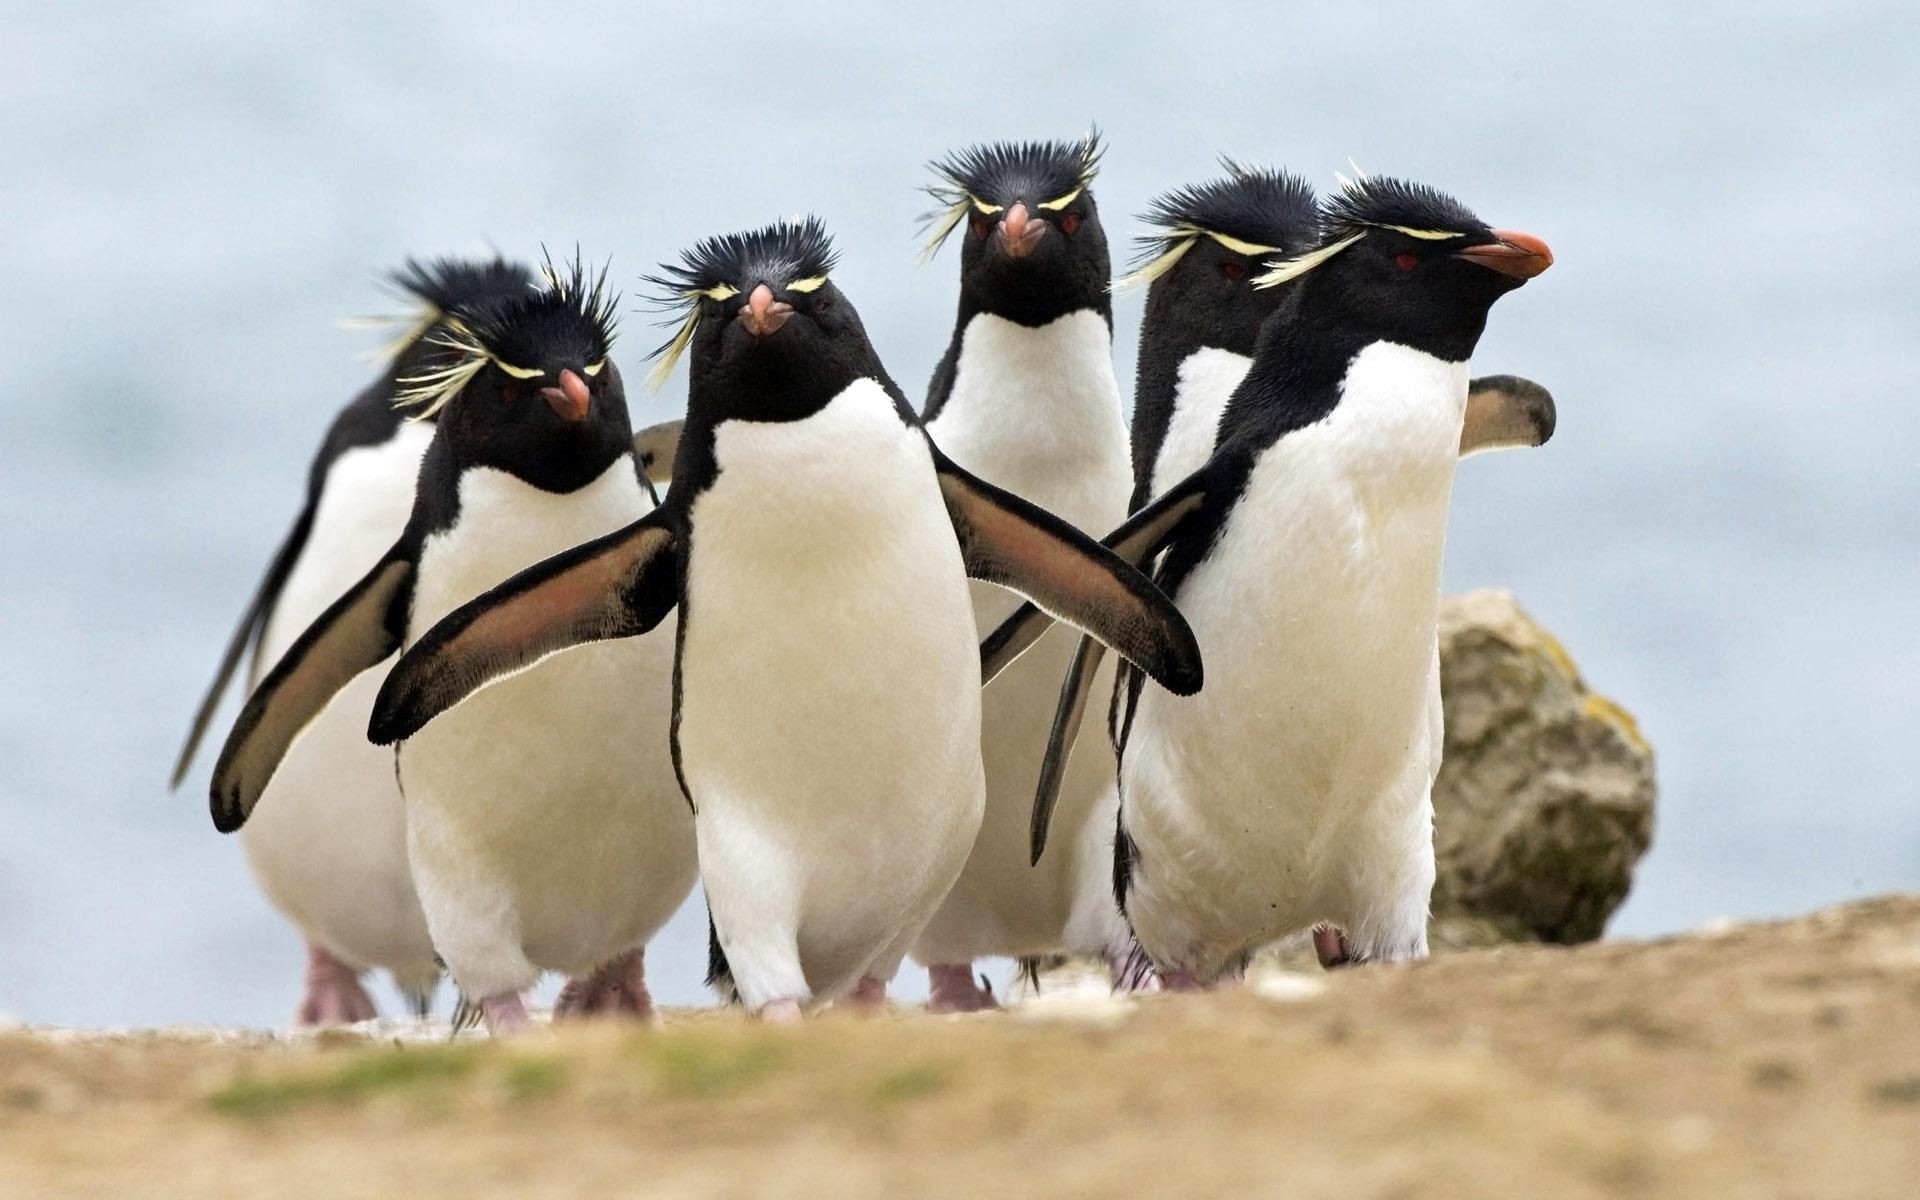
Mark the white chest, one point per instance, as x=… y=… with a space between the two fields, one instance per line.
x=506 y=525
x=1037 y=411
x=363 y=506
x=1316 y=608
x=1204 y=383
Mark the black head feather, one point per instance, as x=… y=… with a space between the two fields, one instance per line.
x=725 y=265
x=776 y=254
x=1000 y=173
x=568 y=323
x=570 y=320
x=1264 y=207
x=442 y=284
x=1396 y=203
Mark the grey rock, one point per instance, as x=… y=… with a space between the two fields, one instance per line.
x=1544 y=803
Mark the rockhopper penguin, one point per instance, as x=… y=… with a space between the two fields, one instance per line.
x=330 y=850
x=1202 y=317
x=817 y=545
x=1296 y=792
x=1025 y=397
x=545 y=827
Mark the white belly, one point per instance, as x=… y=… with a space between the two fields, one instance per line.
x=829 y=721
x=328 y=840
x=1295 y=787
x=546 y=829
x=1203 y=385
x=1036 y=411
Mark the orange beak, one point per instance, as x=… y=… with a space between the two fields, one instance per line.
x=1520 y=255
x=571 y=400
x=762 y=314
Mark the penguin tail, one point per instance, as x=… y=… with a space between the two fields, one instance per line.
x=719 y=971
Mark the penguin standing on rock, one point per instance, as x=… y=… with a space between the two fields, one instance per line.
x=1296 y=792
x=330 y=849
x=1026 y=398
x=544 y=826
x=818 y=546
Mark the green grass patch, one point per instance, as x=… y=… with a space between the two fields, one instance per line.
x=696 y=1067
x=351 y=1082
x=533 y=1078
x=911 y=1083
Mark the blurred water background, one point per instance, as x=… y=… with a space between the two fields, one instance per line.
x=1725 y=531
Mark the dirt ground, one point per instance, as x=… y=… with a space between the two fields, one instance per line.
x=1778 y=1060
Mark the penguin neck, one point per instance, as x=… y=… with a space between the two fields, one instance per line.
x=1174 y=368
x=559 y=467
x=1025 y=407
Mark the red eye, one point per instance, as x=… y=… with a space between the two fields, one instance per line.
x=981 y=224
x=509 y=392
x=1233 y=272
x=822 y=304
x=1406 y=260
x=1069 y=223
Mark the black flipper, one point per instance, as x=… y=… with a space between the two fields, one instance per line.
x=1503 y=411
x=253 y=626
x=655 y=447
x=1007 y=541
x=616 y=586
x=362 y=627
x=1143 y=535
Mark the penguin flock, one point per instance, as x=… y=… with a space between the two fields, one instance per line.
x=475 y=745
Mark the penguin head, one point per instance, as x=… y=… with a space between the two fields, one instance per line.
x=767 y=334
x=1032 y=247
x=1402 y=262
x=1210 y=241
x=526 y=383
x=433 y=288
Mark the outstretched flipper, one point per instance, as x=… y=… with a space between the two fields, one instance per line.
x=1007 y=541
x=616 y=586
x=253 y=625
x=655 y=447
x=362 y=627
x=1505 y=411
x=1143 y=535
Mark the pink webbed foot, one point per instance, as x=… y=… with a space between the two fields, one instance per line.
x=617 y=987
x=504 y=1015
x=869 y=995
x=334 y=995
x=1330 y=946
x=952 y=988
x=784 y=1011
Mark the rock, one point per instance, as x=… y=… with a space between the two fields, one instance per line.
x=1544 y=802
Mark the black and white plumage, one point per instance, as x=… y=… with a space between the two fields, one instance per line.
x=330 y=852
x=545 y=829
x=1306 y=553
x=1025 y=397
x=1203 y=312
x=817 y=546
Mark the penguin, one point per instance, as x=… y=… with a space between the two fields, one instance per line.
x=1295 y=794
x=330 y=852
x=1203 y=316
x=544 y=825
x=1025 y=396
x=817 y=546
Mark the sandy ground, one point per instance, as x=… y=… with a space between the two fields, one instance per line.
x=1774 y=1060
